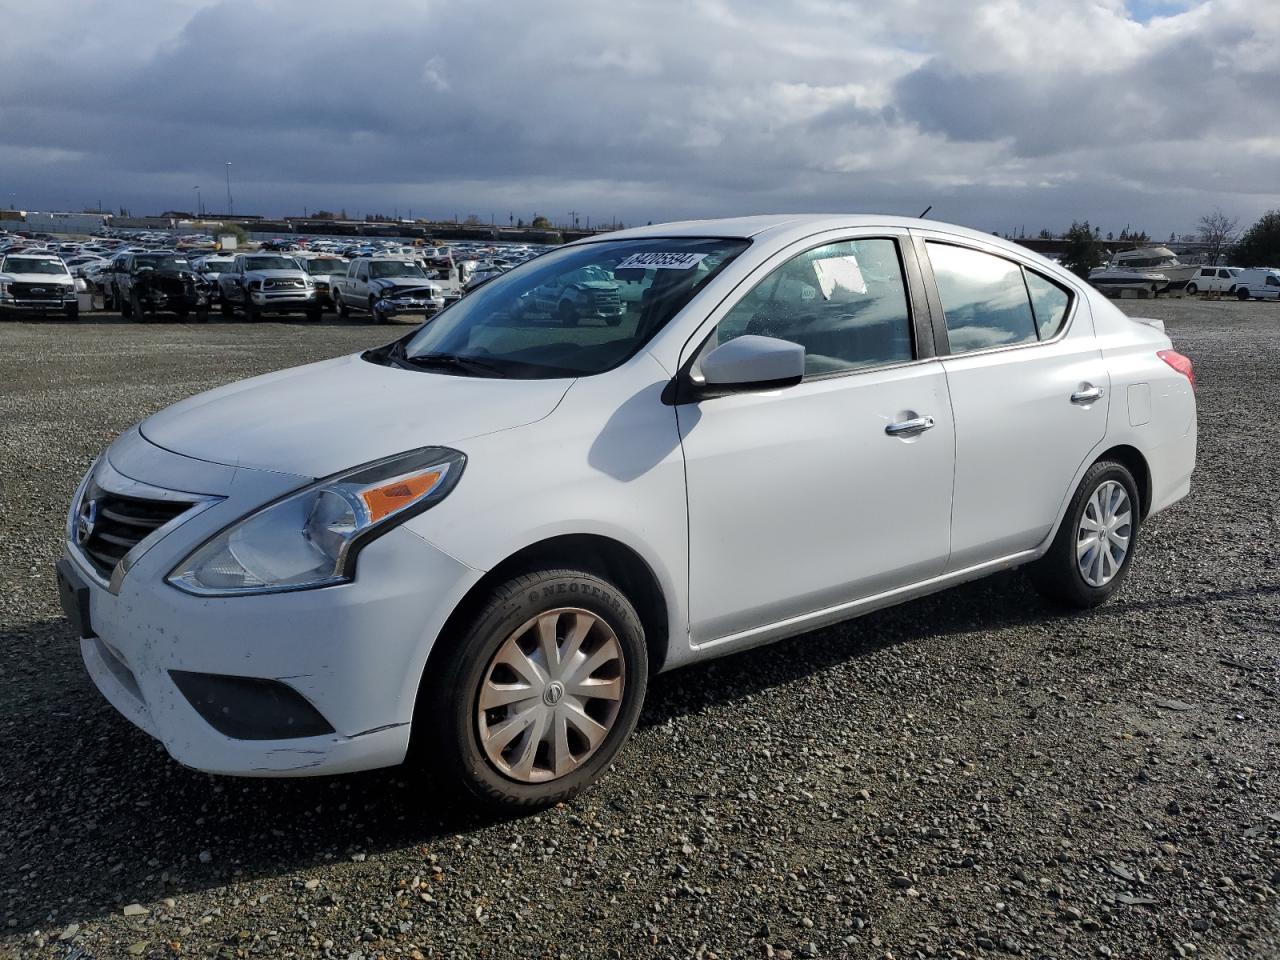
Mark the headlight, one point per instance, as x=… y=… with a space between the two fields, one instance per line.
x=310 y=538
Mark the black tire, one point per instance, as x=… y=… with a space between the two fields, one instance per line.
x=315 y=314
x=182 y=312
x=378 y=316
x=71 y=311
x=339 y=306
x=250 y=311
x=202 y=314
x=566 y=316
x=446 y=738
x=1057 y=574
x=225 y=308
x=1242 y=293
x=135 y=306
x=126 y=306
x=1191 y=289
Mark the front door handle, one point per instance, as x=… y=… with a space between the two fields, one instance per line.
x=909 y=428
x=1087 y=394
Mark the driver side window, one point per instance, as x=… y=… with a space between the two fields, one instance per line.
x=845 y=303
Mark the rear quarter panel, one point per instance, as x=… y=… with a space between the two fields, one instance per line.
x=1153 y=407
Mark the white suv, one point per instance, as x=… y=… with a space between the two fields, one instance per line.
x=470 y=548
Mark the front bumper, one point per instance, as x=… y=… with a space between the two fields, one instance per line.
x=283 y=301
x=354 y=652
x=400 y=306
x=37 y=305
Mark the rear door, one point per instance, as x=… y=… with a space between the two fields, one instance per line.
x=1029 y=393
x=839 y=487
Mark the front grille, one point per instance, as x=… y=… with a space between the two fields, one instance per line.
x=607 y=299
x=36 y=291
x=283 y=284
x=119 y=523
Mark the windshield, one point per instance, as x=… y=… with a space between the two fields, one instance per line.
x=31 y=265
x=270 y=263
x=578 y=311
x=162 y=263
x=216 y=266
x=394 y=268
x=326 y=266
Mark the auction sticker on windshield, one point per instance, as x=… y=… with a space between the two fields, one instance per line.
x=662 y=261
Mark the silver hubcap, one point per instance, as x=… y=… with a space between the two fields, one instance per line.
x=550 y=695
x=1106 y=528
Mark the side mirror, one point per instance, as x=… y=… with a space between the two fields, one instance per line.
x=753 y=363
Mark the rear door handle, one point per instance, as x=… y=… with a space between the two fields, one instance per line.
x=1087 y=394
x=909 y=428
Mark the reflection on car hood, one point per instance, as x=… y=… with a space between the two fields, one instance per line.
x=325 y=417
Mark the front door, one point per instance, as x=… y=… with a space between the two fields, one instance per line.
x=837 y=488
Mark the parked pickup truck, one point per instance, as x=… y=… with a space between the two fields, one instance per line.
x=373 y=280
x=261 y=283
x=37 y=283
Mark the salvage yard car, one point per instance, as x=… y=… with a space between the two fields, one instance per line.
x=149 y=283
x=37 y=283
x=373 y=280
x=470 y=548
x=261 y=283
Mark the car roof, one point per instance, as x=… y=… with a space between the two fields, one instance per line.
x=800 y=223
x=36 y=255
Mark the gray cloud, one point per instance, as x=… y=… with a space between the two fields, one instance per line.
x=998 y=113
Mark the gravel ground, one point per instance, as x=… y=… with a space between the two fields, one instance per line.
x=968 y=775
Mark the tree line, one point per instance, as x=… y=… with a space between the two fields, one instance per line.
x=1258 y=246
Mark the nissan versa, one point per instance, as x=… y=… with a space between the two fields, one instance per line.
x=470 y=548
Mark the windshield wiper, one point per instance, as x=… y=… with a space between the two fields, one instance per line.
x=453 y=360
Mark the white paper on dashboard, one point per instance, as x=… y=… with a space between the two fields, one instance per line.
x=839 y=273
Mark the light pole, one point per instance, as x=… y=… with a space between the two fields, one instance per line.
x=230 y=209
x=199 y=204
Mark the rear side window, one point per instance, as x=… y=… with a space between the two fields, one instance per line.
x=984 y=299
x=1273 y=281
x=1224 y=274
x=1049 y=303
x=1206 y=273
x=845 y=303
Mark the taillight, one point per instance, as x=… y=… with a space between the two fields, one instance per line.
x=1180 y=363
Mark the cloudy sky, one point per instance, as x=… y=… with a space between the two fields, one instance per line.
x=999 y=113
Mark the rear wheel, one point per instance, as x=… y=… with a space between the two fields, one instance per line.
x=535 y=696
x=1093 y=548
x=1242 y=293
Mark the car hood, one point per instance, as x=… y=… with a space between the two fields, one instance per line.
x=325 y=417
x=49 y=279
x=275 y=274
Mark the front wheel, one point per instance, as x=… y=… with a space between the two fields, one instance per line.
x=1091 y=553
x=250 y=311
x=1191 y=289
x=315 y=314
x=71 y=311
x=531 y=700
x=339 y=306
x=378 y=315
x=126 y=305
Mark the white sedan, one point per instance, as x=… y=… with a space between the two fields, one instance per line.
x=471 y=548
